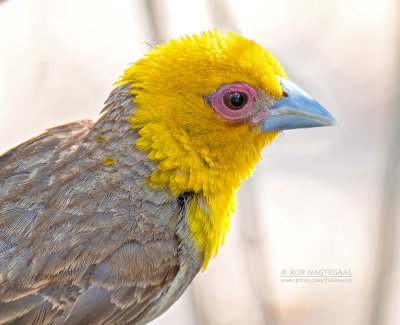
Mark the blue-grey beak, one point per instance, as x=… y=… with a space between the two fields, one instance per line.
x=295 y=110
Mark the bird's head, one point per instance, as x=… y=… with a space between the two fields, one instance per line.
x=206 y=106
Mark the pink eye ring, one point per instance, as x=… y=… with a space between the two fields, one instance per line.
x=233 y=101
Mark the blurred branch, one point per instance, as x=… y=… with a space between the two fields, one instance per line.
x=154 y=21
x=198 y=308
x=221 y=14
x=254 y=252
x=386 y=250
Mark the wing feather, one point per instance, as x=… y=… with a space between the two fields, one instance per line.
x=80 y=242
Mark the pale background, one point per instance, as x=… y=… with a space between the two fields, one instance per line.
x=323 y=198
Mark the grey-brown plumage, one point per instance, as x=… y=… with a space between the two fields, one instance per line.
x=83 y=242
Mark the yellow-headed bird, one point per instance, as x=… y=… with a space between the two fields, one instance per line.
x=108 y=222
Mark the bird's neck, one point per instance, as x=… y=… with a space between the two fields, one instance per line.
x=211 y=175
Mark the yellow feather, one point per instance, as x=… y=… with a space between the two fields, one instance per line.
x=107 y=161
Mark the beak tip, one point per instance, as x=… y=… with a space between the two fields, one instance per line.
x=329 y=121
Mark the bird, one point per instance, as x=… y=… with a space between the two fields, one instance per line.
x=109 y=221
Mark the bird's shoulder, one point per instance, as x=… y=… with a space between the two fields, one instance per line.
x=85 y=241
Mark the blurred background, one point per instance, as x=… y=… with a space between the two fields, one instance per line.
x=321 y=199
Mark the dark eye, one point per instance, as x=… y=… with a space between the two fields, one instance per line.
x=235 y=100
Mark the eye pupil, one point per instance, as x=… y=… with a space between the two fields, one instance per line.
x=235 y=100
